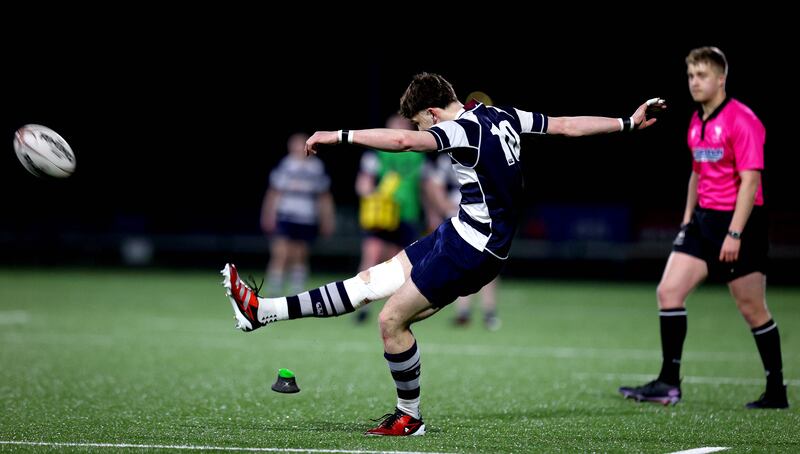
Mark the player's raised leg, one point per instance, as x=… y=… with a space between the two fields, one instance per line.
x=337 y=298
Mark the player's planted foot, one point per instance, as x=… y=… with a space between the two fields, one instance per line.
x=398 y=424
x=244 y=301
x=654 y=391
x=773 y=398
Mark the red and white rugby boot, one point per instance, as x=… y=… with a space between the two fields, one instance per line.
x=398 y=424
x=246 y=305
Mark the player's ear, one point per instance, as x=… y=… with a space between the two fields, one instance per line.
x=432 y=114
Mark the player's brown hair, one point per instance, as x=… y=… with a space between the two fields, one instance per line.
x=426 y=90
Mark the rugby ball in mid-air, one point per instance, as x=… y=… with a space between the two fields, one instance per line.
x=44 y=152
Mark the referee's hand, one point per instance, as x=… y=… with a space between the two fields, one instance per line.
x=730 y=250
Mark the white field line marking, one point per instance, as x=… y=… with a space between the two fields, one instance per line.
x=198 y=447
x=510 y=351
x=14 y=317
x=350 y=347
x=690 y=379
x=573 y=352
x=702 y=450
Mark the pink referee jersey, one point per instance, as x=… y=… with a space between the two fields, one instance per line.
x=729 y=141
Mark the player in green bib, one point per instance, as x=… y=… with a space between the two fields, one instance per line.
x=390 y=212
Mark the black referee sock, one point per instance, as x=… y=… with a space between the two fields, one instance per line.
x=673 y=333
x=768 y=342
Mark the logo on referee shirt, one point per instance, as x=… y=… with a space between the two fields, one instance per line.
x=708 y=154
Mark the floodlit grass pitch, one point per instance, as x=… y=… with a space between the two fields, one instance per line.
x=151 y=358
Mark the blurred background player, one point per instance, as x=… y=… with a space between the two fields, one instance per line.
x=297 y=206
x=442 y=199
x=723 y=233
x=389 y=187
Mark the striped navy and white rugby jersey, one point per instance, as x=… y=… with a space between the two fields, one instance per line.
x=484 y=146
x=300 y=182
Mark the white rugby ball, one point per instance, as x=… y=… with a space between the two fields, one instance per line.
x=44 y=152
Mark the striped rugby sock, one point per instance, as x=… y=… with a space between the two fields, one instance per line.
x=405 y=369
x=336 y=298
x=327 y=301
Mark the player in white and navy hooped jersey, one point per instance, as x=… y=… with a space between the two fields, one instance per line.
x=297 y=206
x=484 y=146
x=461 y=256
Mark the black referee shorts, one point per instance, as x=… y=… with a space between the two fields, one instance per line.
x=703 y=237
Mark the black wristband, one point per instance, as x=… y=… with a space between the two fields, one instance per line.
x=345 y=136
x=627 y=124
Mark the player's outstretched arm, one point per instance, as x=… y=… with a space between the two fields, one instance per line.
x=379 y=139
x=586 y=126
x=650 y=107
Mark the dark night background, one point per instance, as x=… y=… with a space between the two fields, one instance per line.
x=175 y=136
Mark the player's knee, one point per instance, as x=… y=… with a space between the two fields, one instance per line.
x=756 y=318
x=278 y=257
x=277 y=262
x=751 y=307
x=664 y=295
x=668 y=297
x=389 y=323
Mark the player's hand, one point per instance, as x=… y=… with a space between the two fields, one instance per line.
x=730 y=250
x=321 y=138
x=642 y=118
